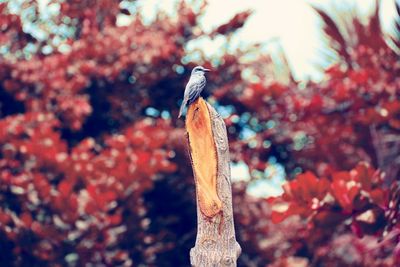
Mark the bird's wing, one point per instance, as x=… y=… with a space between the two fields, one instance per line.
x=192 y=92
x=194 y=89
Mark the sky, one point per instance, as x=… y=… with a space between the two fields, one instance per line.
x=290 y=24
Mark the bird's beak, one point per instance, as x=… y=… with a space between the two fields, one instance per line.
x=206 y=70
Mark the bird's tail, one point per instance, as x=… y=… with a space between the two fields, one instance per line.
x=181 y=110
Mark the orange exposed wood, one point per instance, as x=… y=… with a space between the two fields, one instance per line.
x=204 y=157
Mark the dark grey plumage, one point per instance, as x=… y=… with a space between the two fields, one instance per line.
x=194 y=87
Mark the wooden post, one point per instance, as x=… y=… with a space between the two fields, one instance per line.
x=209 y=151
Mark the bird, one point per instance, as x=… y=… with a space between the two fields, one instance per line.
x=194 y=87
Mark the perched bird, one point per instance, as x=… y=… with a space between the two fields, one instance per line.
x=193 y=88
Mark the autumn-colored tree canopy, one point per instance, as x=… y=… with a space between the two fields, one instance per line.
x=94 y=169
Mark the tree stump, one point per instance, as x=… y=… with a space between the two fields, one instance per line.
x=209 y=151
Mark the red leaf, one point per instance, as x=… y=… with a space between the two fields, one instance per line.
x=115 y=219
x=26 y=218
x=344 y=190
x=65 y=188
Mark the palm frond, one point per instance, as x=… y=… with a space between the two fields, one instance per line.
x=374 y=36
x=353 y=36
x=334 y=34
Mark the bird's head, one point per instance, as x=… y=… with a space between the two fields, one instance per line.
x=199 y=70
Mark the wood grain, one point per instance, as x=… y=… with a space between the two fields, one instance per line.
x=204 y=157
x=215 y=242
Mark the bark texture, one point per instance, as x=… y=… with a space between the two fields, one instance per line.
x=216 y=243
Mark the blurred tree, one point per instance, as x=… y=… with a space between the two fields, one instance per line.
x=89 y=153
x=92 y=165
x=339 y=143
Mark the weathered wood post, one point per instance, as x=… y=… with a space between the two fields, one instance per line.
x=208 y=142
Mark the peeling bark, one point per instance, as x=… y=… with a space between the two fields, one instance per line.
x=208 y=142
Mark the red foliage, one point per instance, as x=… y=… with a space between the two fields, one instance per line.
x=11 y=29
x=356 y=197
x=83 y=169
x=93 y=170
x=338 y=141
x=78 y=192
x=354 y=122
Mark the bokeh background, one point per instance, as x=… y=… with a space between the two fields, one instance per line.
x=94 y=168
